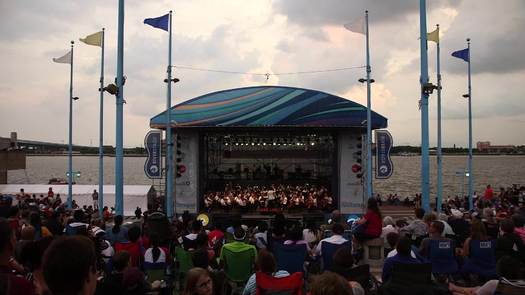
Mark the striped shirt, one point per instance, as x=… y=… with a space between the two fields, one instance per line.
x=251 y=285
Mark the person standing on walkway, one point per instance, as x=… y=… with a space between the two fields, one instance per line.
x=95 y=200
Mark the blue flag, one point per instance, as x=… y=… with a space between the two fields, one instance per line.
x=463 y=54
x=160 y=22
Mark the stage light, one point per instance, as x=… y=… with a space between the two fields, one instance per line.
x=236 y=143
x=226 y=144
x=264 y=143
x=274 y=143
x=313 y=143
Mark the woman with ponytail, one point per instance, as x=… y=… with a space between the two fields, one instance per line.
x=117 y=234
x=156 y=256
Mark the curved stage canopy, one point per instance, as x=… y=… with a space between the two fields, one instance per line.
x=266 y=106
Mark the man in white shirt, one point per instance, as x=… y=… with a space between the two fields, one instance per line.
x=336 y=238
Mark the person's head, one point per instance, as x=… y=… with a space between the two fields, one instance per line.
x=35 y=220
x=372 y=205
x=436 y=228
x=79 y=216
x=419 y=212
x=239 y=234
x=336 y=216
x=391 y=239
x=478 y=230
x=266 y=262
x=428 y=218
x=262 y=226
x=28 y=233
x=488 y=213
x=507 y=226
x=338 y=229
x=118 y=222
x=196 y=226
x=32 y=253
x=134 y=233
x=7 y=239
x=343 y=258
x=198 y=282
x=403 y=246
x=69 y=266
x=388 y=221
x=121 y=261
x=329 y=283
x=295 y=233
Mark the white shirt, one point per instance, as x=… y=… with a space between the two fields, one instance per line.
x=394 y=253
x=335 y=239
x=386 y=230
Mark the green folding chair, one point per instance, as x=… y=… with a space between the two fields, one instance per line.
x=185 y=263
x=238 y=267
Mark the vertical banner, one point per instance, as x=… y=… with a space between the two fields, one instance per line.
x=187 y=171
x=350 y=159
x=153 y=165
x=384 y=165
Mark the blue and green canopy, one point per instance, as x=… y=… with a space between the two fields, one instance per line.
x=266 y=106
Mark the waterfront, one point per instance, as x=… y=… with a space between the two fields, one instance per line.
x=495 y=170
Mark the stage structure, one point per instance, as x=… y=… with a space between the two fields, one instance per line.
x=269 y=135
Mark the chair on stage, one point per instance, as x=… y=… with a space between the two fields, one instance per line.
x=442 y=257
x=289 y=285
x=327 y=253
x=290 y=257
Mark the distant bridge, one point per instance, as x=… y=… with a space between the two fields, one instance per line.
x=41 y=147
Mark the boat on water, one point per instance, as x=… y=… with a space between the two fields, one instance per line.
x=58 y=181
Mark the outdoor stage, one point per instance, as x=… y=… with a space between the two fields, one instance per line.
x=269 y=143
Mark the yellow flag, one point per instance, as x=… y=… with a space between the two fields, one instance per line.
x=93 y=39
x=433 y=36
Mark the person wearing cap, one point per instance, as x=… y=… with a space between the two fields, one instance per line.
x=238 y=245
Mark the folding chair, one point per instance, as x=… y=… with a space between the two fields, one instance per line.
x=411 y=279
x=185 y=263
x=238 y=267
x=327 y=253
x=290 y=257
x=290 y=285
x=442 y=257
x=362 y=275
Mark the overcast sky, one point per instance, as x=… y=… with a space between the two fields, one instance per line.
x=261 y=36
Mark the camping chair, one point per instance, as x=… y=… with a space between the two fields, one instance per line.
x=362 y=275
x=327 y=253
x=442 y=257
x=290 y=285
x=290 y=257
x=481 y=260
x=238 y=267
x=412 y=279
x=185 y=263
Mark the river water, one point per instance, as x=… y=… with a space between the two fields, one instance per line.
x=405 y=181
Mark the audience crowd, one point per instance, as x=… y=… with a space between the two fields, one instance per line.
x=47 y=249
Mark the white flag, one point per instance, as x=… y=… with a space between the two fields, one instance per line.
x=357 y=26
x=66 y=59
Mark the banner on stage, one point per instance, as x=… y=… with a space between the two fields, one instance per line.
x=384 y=165
x=153 y=165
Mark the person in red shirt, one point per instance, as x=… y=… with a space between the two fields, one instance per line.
x=133 y=246
x=371 y=221
x=489 y=194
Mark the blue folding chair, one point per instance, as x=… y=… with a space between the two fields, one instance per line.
x=328 y=250
x=442 y=257
x=290 y=257
x=482 y=259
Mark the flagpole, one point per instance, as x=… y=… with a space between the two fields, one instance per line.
x=101 y=134
x=439 y=154
x=425 y=179
x=119 y=178
x=368 y=116
x=169 y=143
x=470 y=177
x=70 y=145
